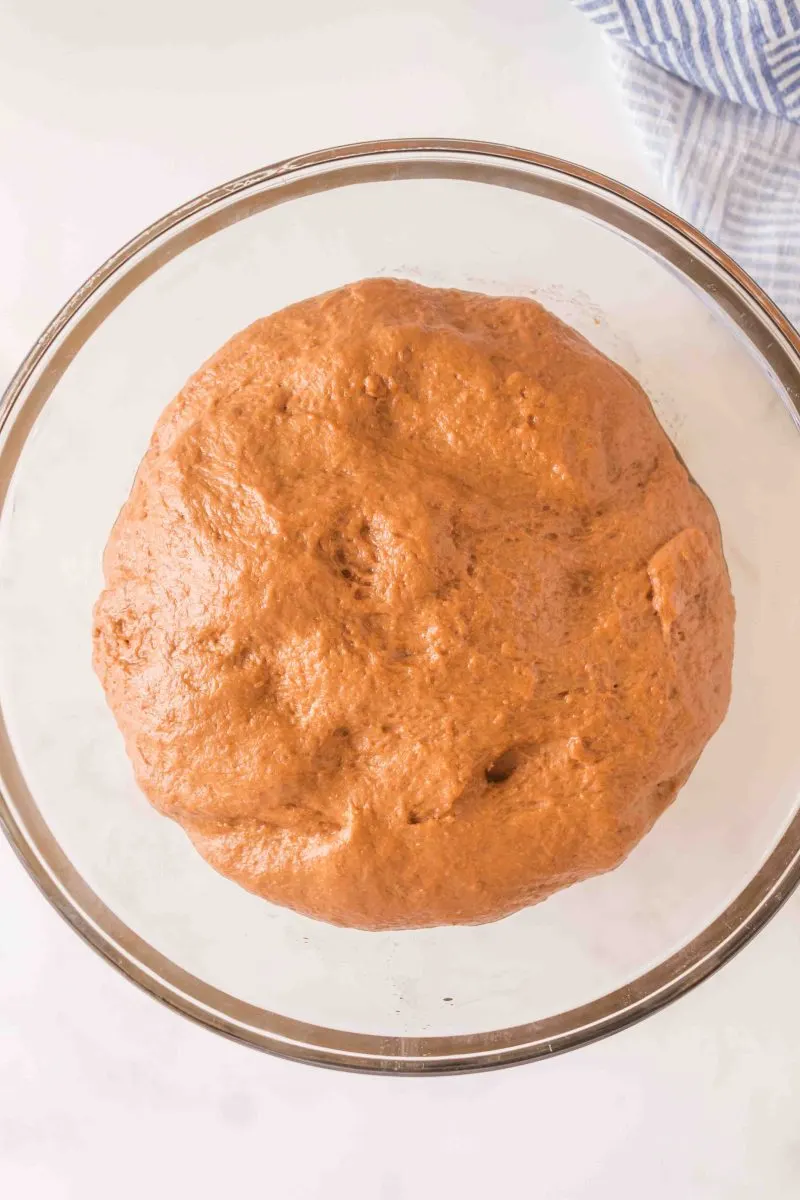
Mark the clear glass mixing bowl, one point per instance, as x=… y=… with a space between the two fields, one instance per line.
x=723 y=369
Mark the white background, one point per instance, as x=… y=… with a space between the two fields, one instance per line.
x=110 y=115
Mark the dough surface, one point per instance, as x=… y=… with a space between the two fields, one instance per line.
x=413 y=615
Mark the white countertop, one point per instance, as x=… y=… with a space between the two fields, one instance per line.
x=109 y=116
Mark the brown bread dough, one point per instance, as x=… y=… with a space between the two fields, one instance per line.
x=413 y=615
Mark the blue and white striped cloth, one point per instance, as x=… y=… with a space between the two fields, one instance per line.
x=714 y=89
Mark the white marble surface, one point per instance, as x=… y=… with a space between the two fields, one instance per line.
x=109 y=116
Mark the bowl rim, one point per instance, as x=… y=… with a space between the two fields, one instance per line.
x=694 y=256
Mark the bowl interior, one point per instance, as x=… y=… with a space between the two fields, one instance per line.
x=716 y=398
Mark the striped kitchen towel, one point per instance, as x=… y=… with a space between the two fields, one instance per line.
x=714 y=89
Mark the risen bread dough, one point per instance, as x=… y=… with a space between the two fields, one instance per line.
x=413 y=615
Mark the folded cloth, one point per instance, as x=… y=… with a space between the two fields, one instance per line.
x=713 y=87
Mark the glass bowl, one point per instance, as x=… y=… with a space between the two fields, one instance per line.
x=722 y=367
